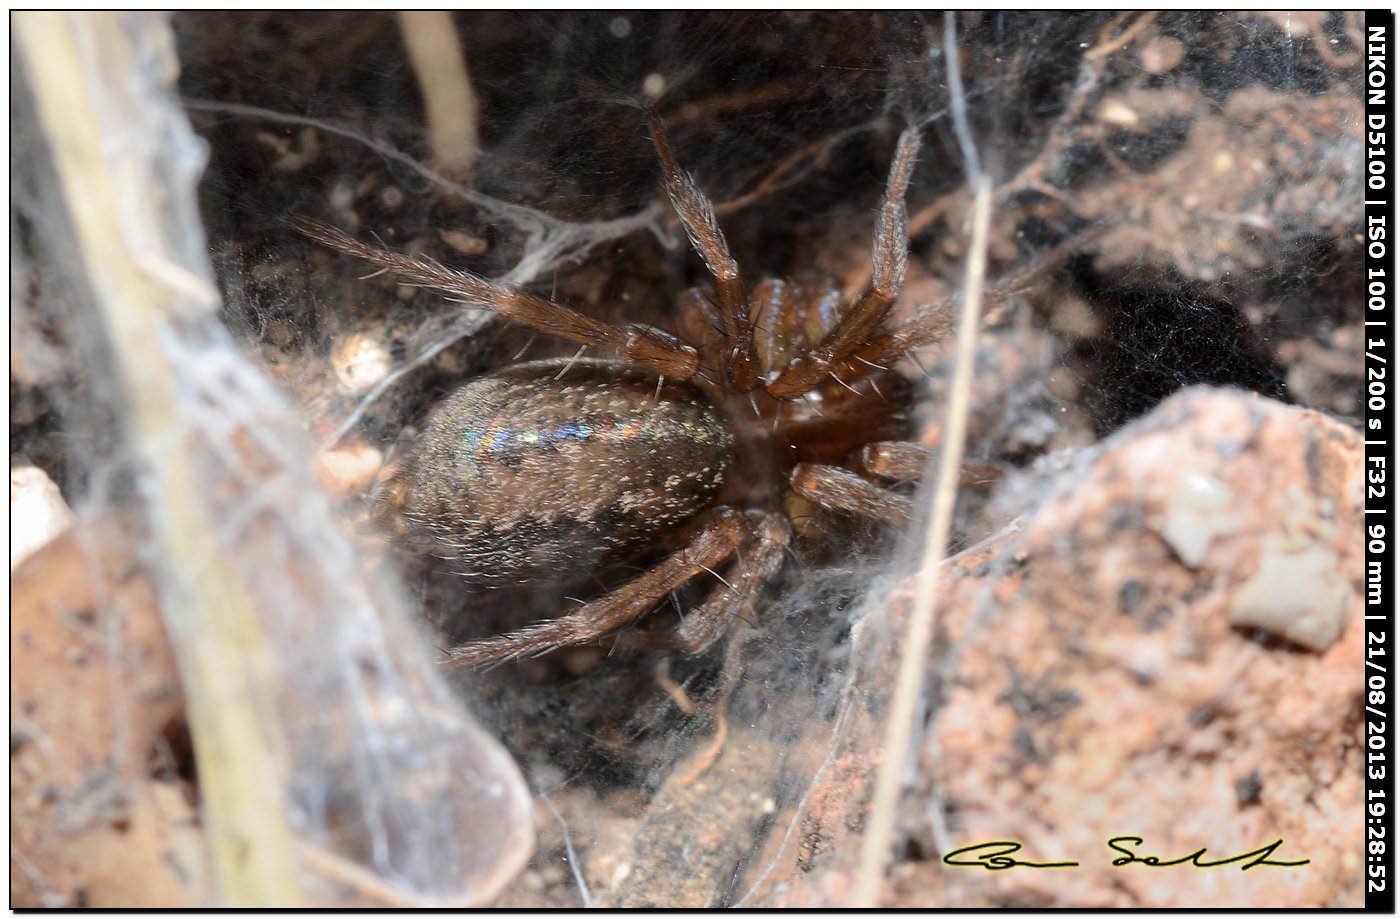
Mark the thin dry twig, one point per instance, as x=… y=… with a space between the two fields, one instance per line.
x=875 y=846
x=672 y=688
x=80 y=69
x=729 y=102
x=1107 y=46
x=449 y=101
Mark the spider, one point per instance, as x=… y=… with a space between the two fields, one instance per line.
x=711 y=437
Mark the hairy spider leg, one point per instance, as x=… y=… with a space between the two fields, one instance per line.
x=902 y=461
x=772 y=301
x=658 y=351
x=697 y=320
x=707 y=623
x=841 y=490
x=697 y=215
x=810 y=368
x=934 y=321
x=898 y=460
x=719 y=537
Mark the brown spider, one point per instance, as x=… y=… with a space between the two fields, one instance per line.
x=551 y=468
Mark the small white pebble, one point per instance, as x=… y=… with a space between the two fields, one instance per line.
x=38 y=512
x=348 y=471
x=654 y=85
x=360 y=361
x=463 y=242
x=341 y=197
x=1198 y=511
x=1301 y=596
x=1116 y=112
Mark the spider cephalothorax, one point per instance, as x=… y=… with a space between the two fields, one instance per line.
x=550 y=469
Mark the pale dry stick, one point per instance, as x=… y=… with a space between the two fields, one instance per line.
x=875 y=846
x=449 y=102
x=82 y=70
x=956 y=100
x=1107 y=46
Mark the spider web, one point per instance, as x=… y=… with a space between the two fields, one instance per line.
x=1102 y=122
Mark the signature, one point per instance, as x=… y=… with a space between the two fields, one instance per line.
x=996 y=855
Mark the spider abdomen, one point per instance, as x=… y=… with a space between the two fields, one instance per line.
x=547 y=470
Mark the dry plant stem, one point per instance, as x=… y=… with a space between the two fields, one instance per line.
x=730 y=102
x=138 y=286
x=875 y=846
x=1107 y=46
x=448 y=98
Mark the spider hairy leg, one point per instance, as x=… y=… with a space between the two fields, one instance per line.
x=658 y=351
x=698 y=322
x=809 y=368
x=760 y=559
x=716 y=540
x=697 y=215
x=840 y=490
x=896 y=460
x=933 y=322
x=902 y=461
x=773 y=302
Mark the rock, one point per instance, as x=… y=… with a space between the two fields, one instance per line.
x=1108 y=691
x=360 y=360
x=1199 y=509
x=348 y=471
x=1300 y=596
x=38 y=512
x=1090 y=680
x=93 y=695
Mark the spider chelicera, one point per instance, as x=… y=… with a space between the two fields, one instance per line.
x=712 y=437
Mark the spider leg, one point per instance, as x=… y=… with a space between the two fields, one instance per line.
x=840 y=490
x=714 y=543
x=698 y=322
x=890 y=253
x=709 y=621
x=934 y=321
x=778 y=310
x=697 y=215
x=902 y=461
x=897 y=460
x=654 y=349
